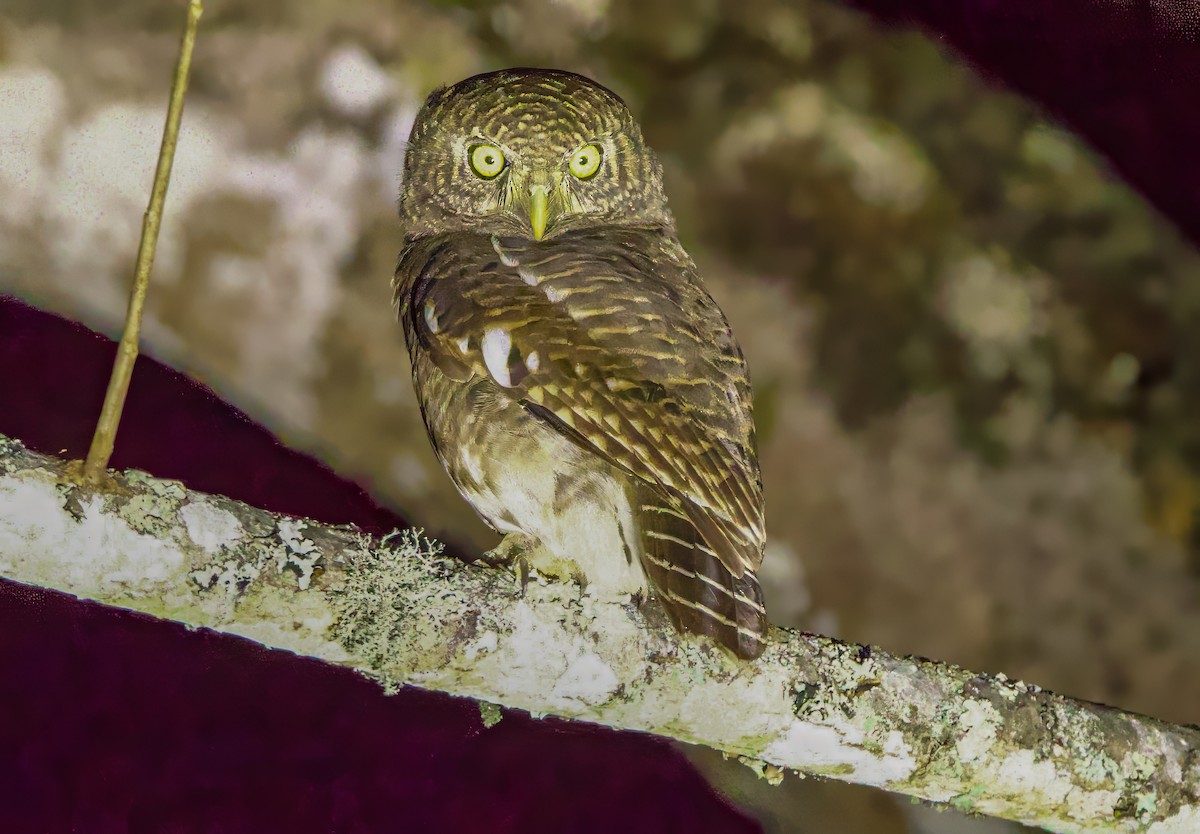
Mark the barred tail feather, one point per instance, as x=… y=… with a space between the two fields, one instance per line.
x=699 y=593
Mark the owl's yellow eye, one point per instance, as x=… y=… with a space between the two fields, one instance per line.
x=487 y=161
x=585 y=162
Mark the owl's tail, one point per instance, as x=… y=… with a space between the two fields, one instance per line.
x=700 y=594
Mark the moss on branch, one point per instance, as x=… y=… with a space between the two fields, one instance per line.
x=401 y=611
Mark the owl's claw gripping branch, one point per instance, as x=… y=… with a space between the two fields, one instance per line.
x=511 y=554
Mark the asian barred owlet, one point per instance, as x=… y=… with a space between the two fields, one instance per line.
x=577 y=381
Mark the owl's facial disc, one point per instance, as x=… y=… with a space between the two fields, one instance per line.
x=528 y=152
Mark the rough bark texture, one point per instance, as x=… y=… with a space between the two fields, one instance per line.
x=401 y=612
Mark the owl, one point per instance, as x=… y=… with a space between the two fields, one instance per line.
x=578 y=383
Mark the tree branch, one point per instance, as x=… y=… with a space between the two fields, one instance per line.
x=399 y=611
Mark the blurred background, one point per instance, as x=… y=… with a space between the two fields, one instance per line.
x=971 y=341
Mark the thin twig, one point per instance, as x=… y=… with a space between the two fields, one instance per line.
x=118 y=384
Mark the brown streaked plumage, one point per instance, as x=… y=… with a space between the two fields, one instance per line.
x=581 y=387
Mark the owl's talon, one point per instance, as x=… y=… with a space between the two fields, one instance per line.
x=581 y=580
x=510 y=554
x=511 y=548
x=522 y=569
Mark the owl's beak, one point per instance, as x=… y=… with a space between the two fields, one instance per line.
x=538 y=199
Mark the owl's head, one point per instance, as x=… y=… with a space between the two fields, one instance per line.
x=528 y=152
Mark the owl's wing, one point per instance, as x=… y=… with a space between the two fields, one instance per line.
x=610 y=338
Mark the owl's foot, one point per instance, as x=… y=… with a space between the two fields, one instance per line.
x=513 y=554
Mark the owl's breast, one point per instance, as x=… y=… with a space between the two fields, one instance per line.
x=472 y=426
x=522 y=477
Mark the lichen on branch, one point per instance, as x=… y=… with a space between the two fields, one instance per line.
x=401 y=611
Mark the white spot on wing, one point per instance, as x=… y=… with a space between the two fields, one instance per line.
x=464 y=343
x=554 y=295
x=496 y=346
x=431 y=317
x=527 y=276
x=533 y=361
